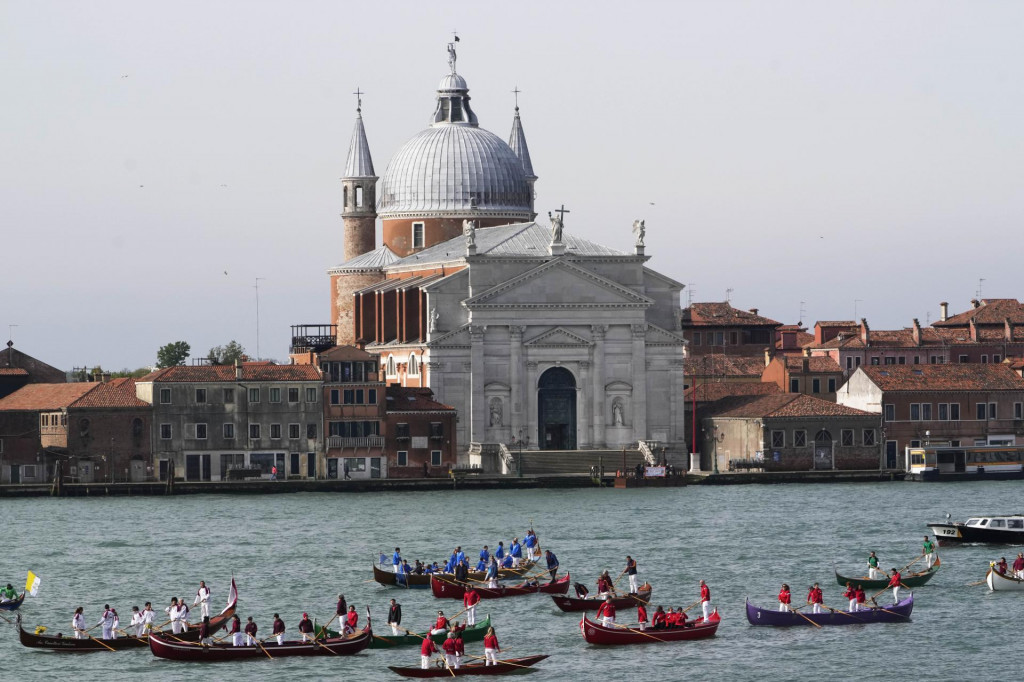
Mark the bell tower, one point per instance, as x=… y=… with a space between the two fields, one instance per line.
x=359 y=192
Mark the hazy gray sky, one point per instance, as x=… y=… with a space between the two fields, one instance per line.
x=822 y=152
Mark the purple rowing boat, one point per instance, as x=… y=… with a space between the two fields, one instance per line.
x=891 y=613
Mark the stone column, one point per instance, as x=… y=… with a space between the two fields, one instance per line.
x=515 y=334
x=597 y=386
x=530 y=405
x=639 y=332
x=477 y=400
x=677 y=406
x=584 y=408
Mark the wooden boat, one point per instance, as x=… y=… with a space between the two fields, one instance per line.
x=908 y=579
x=503 y=667
x=60 y=642
x=471 y=633
x=13 y=604
x=1007 y=529
x=595 y=633
x=443 y=588
x=422 y=580
x=892 y=613
x=628 y=601
x=163 y=646
x=999 y=582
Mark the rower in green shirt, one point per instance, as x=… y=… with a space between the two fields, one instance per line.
x=873 y=571
x=8 y=593
x=928 y=549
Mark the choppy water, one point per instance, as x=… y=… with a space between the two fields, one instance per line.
x=295 y=553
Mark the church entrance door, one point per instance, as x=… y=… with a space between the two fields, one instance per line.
x=556 y=410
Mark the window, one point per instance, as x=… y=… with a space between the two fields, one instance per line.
x=901 y=360
x=359 y=196
x=915 y=443
x=335 y=396
x=391 y=370
x=890 y=361
x=926 y=411
x=355 y=464
x=874 y=360
x=371 y=396
x=917 y=359
x=991 y=410
x=943 y=412
x=28 y=470
x=697 y=338
x=996 y=359
x=275 y=431
x=417 y=236
x=963 y=358
x=856 y=361
x=311 y=394
x=778 y=439
x=734 y=338
x=165 y=432
x=402 y=431
x=981 y=410
x=311 y=431
x=849 y=362
x=1018 y=410
x=984 y=359
x=435 y=458
x=403 y=458
x=954 y=412
x=344 y=196
x=229 y=432
x=436 y=430
x=254 y=431
x=229 y=396
x=293 y=395
x=935 y=360
x=869 y=437
x=200 y=431
x=254 y=395
x=799 y=439
x=815 y=385
x=719 y=338
x=165 y=396
x=832 y=385
x=350 y=396
x=414 y=365
x=846 y=436
x=294 y=430
x=915 y=412
x=360 y=397
x=200 y=395
x=275 y=394
x=794 y=385
x=890 y=412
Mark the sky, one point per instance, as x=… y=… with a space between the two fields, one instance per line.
x=814 y=160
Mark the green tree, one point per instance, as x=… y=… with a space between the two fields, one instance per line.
x=226 y=355
x=172 y=354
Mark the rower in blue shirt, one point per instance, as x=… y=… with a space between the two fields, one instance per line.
x=460 y=556
x=499 y=553
x=516 y=552
x=552 y=561
x=485 y=558
x=492 y=574
x=396 y=560
x=507 y=561
x=449 y=566
x=530 y=541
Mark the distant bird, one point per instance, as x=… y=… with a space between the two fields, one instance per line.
x=141 y=185
x=124 y=76
x=223 y=185
x=225 y=272
x=652 y=203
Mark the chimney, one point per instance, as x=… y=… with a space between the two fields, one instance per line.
x=754 y=311
x=767 y=356
x=238 y=370
x=865 y=332
x=944 y=307
x=1008 y=330
x=105 y=377
x=975 y=303
x=917 y=332
x=805 y=361
x=974 y=330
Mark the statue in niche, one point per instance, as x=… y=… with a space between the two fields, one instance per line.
x=434 y=317
x=469 y=229
x=497 y=417
x=617 y=419
x=639 y=230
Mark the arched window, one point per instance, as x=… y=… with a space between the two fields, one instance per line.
x=344 y=196
x=359 y=196
x=414 y=365
x=823 y=436
x=391 y=371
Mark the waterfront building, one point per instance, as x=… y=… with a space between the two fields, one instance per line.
x=18 y=369
x=953 y=404
x=819 y=376
x=719 y=328
x=985 y=333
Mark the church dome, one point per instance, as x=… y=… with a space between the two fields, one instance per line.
x=455 y=168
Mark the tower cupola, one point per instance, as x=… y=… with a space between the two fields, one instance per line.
x=359 y=192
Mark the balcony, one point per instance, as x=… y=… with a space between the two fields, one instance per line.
x=313 y=337
x=339 y=442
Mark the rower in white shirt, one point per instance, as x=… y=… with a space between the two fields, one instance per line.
x=203 y=598
x=116 y=626
x=107 y=621
x=183 y=615
x=148 y=615
x=78 y=623
x=172 y=616
x=136 y=623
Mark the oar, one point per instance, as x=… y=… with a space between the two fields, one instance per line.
x=259 y=643
x=639 y=632
x=692 y=605
x=817 y=625
x=445 y=660
x=619 y=578
x=498 y=660
x=879 y=608
x=845 y=613
x=100 y=642
x=912 y=563
x=6 y=618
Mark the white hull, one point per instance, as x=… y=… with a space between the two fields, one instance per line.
x=1003 y=583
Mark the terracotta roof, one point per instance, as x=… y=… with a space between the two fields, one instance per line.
x=822 y=364
x=13 y=372
x=46 y=396
x=724 y=365
x=792 y=405
x=722 y=314
x=340 y=353
x=897 y=338
x=959 y=377
x=836 y=323
x=991 y=311
x=716 y=390
x=404 y=399
x=115 y=393
x=221 y=373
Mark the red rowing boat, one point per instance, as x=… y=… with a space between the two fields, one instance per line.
x=503 y=667
x=164 y=646
x=443 y=588
x=629 y=601
x=595 y=633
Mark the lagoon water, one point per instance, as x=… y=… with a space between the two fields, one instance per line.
x=295 y=552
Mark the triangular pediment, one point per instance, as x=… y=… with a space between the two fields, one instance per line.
x=555 y=284
x=456 y=337
x=559 y=337
x=659 y=336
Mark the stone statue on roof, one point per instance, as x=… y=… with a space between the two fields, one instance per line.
x=556 y=228
x=639 y=230
x=469 y=229
x=451 y=56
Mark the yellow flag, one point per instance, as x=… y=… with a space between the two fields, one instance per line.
x=32 y=583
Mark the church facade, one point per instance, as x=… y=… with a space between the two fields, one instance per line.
x=540 y=338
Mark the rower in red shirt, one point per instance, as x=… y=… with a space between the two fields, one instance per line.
x=861 y=598
x=705 y=600
x=680 y=617
x=785 y=598
x=427 y=649
x=894 y=583
x=815 y=598
x=351 y=620
x=470 y=599
x=641 y=617
x=658 y=620
x=851 y=594
x=606 y=612
x=460 y=646
x=451 y=650
x=491 y=647
x=440 y=625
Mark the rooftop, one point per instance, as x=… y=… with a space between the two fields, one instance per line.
x=723 y=314
x=46 y=396
x=959 y=377
x=226 y=373
x=988 y=311
x=783 y=405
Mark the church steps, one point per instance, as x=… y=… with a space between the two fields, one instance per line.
x=536 y=462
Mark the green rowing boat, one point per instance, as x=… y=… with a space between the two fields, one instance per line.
x=908 y=579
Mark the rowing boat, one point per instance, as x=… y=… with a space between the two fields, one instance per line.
x=508 y=665
x=422 y=580
x=628 y=601
x=13 y=604
x=1000 y=582
x=595 y=633
x=892 y=613
x=60 y=642
x=163 y=646
x=908 y=579
x=443 y=588
x=471 y=633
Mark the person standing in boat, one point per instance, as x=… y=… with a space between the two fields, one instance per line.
x=351 y=621
x=395 y=617
x=78 y=623
x=515 y=550
x=183 y=614
x=896 y=580
x=470 y=599
x=427 y=649
x=148 y=616
x=460 y=646
x=202 y=599
x=277 y=629
x=606 y=612
x=450 y=651
x=873 y=571
x=461 y=572
x=485 y=558
x=250 y=631
x=851 y=594
x=785 y=598
x=205 y=632
x=341 y=609
x=1018 y=566
x=172 y=616
x=492 y=574
x=816 y=598
x=491 y=648
x=396 y=560
x=107 y=622
x=530 y=542
x=460 y=556
x=306 y=628
x=499 y=553
x=237 y=637
x=705 y=600
x=641 y=616
x=136 y=622
x=928 y=549
x=631 y=572
x=1001 y=566
x=861 y=598
x=552 y=563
